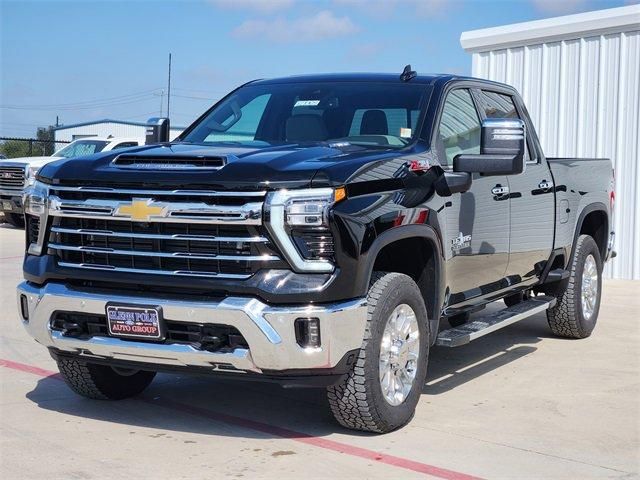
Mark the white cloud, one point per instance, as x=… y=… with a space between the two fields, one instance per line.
x=262 y=6
x=384 y=8
x=321 y=26
x=559 y=7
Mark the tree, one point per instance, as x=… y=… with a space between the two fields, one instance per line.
x=47 y=147
x=15 y=148
x=42 y=145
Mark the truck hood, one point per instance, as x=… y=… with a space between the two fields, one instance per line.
x=30 y=161
x=246 y=167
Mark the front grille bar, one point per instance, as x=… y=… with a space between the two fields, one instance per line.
x=144 y=271
x=147 y=193
x=157 y=236
x=176 y=212
x=183 y=255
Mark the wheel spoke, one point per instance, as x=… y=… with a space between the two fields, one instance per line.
x=399 y=354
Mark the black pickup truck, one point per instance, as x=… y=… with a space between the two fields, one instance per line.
x=322 y=230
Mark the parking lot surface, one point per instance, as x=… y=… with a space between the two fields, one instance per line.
x=516 y=404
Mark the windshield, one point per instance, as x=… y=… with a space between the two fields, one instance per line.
x=375 y=114
x=81 y=147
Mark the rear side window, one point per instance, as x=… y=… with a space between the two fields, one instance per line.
x=459 y=129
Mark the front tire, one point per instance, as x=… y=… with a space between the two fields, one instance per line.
x=100 y=382
x=381 y=393
x=576 y=311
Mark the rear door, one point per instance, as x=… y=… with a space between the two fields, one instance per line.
x=477 y=221
x=532 y=199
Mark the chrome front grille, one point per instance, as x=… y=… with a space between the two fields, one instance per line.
x=12 y=177
x=183 y=233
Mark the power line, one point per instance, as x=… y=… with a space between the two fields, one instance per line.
x=86 y=102
x=144 y=98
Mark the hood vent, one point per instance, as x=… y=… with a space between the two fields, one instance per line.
x=166 y=162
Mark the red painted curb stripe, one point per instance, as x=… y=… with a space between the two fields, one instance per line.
x=277 y=431
x=23 y=367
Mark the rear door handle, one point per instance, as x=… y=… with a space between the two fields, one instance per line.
x=500 y=190
x=544 y=185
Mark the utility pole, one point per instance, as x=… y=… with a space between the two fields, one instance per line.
x=169 y=88
x=57 y=121
x=161 y=101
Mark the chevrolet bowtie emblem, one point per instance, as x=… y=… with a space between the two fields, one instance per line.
x=141 y=209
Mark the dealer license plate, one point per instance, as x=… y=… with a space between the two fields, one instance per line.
x=135 y=322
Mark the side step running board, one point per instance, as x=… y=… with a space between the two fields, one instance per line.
x=455 y=337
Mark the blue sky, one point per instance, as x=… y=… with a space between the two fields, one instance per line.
x=84 y=60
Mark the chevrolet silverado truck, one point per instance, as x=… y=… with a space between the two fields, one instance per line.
x=18 y=173
x=321 y=231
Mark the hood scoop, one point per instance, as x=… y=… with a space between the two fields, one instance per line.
x=170 y=162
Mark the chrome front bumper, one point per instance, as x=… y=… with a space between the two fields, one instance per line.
x=269 y=331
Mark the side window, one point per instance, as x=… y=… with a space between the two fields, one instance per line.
x=125 y=145
x=498 y=105
x=459 y=129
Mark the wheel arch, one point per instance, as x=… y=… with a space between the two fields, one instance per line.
x=424 y=264
x=593 y=221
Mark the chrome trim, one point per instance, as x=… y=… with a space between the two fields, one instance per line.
x=199 y=193
x=181 y=273
x=174 y=212
x=267 y=329
x=182 y=255
x=276 y=203
x=157 y=236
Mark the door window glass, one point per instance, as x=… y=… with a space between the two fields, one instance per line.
x=498 y=105
x=459 y=129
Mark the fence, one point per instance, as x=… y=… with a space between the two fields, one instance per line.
x=12 y=147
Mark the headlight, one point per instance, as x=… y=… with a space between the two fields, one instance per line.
x=30 y=174
x=36 y=204
x=298 y=209
x=35 y=199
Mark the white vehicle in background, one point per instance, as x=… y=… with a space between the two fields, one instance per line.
x=17 y=173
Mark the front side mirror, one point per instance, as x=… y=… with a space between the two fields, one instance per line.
x=502 y=148
x=157 y=130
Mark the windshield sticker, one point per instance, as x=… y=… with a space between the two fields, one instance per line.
x=405 y=132
x=307 y=103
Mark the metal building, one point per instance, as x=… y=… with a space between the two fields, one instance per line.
x=106 y=127
x=580 y=78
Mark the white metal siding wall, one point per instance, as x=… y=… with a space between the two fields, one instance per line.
x=583 y=95
x=102 y=130
x=105 y=129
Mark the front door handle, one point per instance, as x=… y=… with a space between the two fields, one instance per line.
x=544 y=185
x=500 y=190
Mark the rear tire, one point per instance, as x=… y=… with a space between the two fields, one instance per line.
x=576 y=311
x=360 y=402
x=14 y=219
x=100 y=382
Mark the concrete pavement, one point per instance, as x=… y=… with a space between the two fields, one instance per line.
x=516 y=404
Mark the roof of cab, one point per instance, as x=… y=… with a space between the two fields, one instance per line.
x=356 y=77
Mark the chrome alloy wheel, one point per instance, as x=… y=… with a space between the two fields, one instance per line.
x=399 y=354
x=589 y=287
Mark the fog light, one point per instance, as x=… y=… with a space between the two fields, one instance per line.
x=24 y=308
x=307 y=332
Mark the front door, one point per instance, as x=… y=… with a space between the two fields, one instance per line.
x=532 y=196
x=477 y=221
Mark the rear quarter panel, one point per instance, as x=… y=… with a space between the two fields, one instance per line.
x=581 y=185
